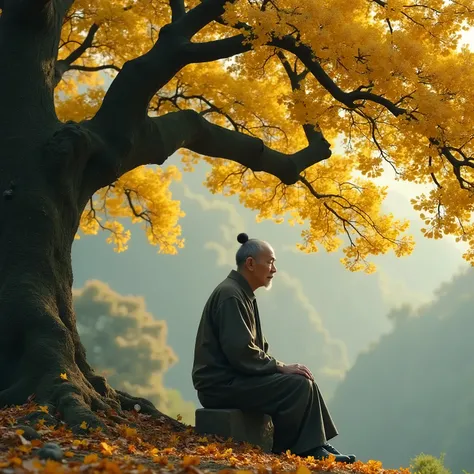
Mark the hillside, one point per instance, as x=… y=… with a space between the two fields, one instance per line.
x=413 y=391
x=141 y=445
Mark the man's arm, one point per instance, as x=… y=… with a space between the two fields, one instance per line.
x=237 y=340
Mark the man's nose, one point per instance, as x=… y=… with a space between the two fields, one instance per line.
x=274 y=269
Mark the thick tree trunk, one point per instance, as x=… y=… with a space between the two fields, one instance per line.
x=39 y=214
x=46 y=177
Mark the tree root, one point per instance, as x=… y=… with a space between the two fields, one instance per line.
x=76 y=399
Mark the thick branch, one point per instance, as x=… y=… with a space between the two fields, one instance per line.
x=218 y=49
x=146 y=74
x=177 y=9
x=160 y=137
x=197 y=18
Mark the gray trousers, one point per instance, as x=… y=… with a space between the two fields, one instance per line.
x=300 y=417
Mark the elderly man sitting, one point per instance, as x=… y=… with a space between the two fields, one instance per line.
x=233 y=369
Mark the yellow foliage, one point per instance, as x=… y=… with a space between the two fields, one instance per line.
x=407 y=54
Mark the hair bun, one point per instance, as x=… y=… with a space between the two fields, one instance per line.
x=242 y=238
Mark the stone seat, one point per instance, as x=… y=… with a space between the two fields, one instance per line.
x=251 y=427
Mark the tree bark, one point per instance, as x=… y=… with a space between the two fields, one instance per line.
x=41 y=354
x=45 y=182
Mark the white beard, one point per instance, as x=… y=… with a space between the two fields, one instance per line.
x=269 y=286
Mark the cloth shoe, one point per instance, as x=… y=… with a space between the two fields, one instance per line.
x=321 y=453
x=331 y=449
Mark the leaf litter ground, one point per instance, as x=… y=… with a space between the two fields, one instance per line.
x=142 y=444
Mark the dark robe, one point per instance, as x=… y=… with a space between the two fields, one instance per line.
x=233 y=369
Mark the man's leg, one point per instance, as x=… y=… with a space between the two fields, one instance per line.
x=301 y=419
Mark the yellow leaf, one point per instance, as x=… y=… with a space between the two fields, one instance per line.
x=106 y=449
x=69 y=454
x=63 y=376
x=91 y=458
x=303 y=470
x=190 y=461
x=83 y=425
x=16 y=461
x=111 y=467
x=163 y=460
x=130 y=433
x=44 y=409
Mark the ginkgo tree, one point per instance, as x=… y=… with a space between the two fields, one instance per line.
x=97 y=95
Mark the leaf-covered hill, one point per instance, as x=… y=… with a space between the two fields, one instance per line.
x=139 y=444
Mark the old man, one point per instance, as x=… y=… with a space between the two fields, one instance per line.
x=233 y=369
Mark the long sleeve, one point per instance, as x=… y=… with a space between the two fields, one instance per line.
x=236 y=335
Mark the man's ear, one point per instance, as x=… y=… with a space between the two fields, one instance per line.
x=250 y=264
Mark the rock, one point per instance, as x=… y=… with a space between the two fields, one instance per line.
x=51 y=451
x=29 y=433
x=254 y=428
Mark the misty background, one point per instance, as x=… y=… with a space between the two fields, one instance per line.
x=353 y=330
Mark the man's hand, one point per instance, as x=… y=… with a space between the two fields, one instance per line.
x=298 y=369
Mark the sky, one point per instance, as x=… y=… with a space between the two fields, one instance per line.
x=317 y=312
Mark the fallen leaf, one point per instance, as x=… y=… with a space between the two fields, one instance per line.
x=91 y=458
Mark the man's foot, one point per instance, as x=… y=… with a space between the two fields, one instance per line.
x=321 y=453
x=331 y=449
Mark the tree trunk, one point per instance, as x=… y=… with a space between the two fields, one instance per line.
x=39 y=343
x=46 y=178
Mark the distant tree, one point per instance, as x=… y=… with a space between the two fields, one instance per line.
x=128 y=346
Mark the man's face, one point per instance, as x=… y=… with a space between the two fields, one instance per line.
x=265 y=268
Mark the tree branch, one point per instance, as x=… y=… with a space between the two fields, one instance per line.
x=64 y=65
x=200 y=16
x=94 y=68
x=86 y=44
x=218 y=49
x=147 y=74
x=160 y=137
x=349 y=99
x=177 y=9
